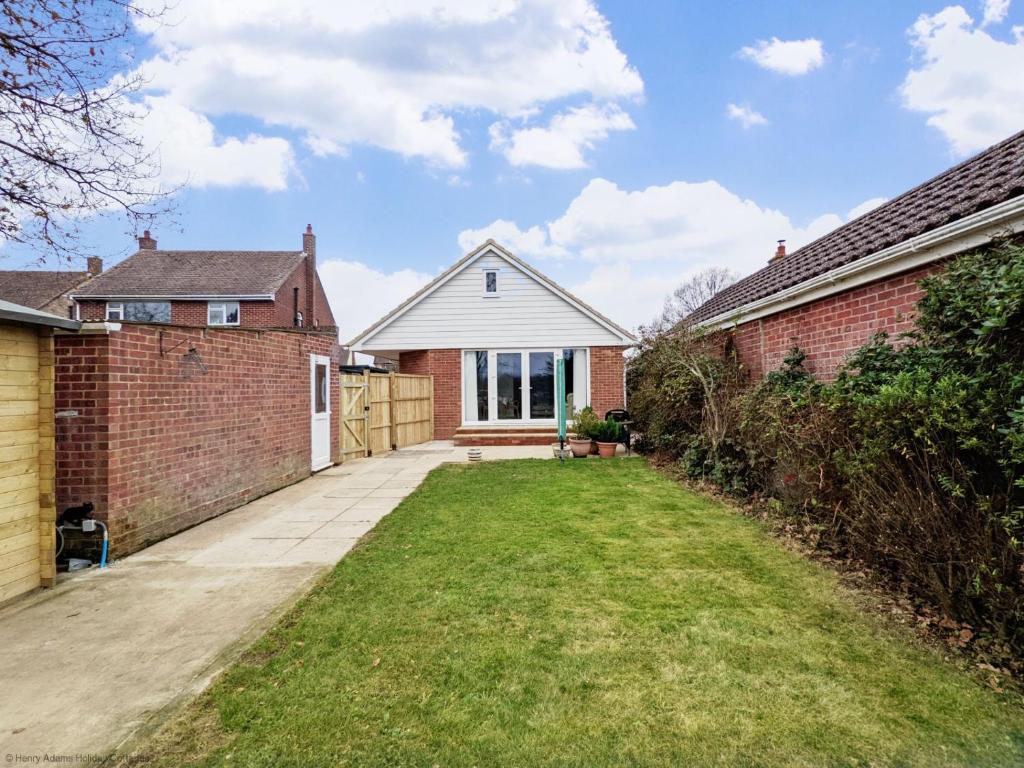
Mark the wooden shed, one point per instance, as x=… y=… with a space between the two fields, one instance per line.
x=27 y=511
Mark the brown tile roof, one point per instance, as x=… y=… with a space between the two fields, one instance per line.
x=195 y=273
x=992 y=177
x=37 y=288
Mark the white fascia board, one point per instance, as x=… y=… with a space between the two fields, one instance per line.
x=965 y=234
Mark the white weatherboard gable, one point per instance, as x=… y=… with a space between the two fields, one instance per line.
x=456 y=314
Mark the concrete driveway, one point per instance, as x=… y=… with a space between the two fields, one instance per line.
x=103 y=656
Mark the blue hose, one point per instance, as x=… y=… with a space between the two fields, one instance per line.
x=103 y=552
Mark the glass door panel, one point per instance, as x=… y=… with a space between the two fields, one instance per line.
x=509 y=368
x=474 y=386
x=542 y=385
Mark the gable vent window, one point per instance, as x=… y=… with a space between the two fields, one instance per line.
x=222 y=313
x=492 y=287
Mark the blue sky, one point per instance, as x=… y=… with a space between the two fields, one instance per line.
x=618 y=146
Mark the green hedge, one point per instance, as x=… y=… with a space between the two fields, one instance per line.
x=912 y=460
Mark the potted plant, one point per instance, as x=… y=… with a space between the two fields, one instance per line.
x=583 y=424
x=607 y=434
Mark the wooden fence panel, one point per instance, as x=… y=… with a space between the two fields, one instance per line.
x=412 y=400
x=381 y=412
x=379 y=392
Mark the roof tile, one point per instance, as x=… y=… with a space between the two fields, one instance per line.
x=191 y=273
x=990 y=178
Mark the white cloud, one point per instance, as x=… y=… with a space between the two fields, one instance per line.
x=191 y=153
x=361 y=295
x=391 y=75
x=787 y=57
x=969 y=82
x=994 y=11
x=746 y=116
x=631 y=248
x=562 y=143
x=533 y=241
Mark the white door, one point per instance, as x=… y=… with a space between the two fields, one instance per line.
x=320 y=410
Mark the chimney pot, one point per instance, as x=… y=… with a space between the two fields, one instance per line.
x=94 y=265
x=146 y=242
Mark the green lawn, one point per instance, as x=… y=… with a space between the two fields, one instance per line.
x=593 y=614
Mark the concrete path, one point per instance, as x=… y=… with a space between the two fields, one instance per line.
x=91 y=663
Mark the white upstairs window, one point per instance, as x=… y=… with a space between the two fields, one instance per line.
x=492 y=285
x=222 y=313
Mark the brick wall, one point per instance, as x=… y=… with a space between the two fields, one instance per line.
x=606 y=379
x=252 y=314
x=158 y=445
x=445 y=365
x=829 y=329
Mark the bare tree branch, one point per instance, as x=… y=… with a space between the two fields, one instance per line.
x=690 y=295
x=70 y=140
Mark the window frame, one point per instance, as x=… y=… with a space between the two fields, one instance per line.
x=223 y=306
x=496 y=293
x=114 y=306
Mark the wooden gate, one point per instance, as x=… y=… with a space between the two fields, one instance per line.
x=381 y=412
x=354 y=416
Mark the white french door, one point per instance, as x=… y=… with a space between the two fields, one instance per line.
x=518 y=386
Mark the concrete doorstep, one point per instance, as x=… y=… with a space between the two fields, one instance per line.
x=105 y=655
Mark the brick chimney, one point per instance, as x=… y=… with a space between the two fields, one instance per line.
x=780 y=252
x=93 y=265
x=309 y=248
x=147 y=243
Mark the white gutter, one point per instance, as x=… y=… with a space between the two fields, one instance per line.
x=173 y=297
x=975 y=230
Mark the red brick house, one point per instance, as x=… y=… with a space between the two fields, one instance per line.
x=489 y=330
x=47 y=290
x=829 y=297
x=244 y=289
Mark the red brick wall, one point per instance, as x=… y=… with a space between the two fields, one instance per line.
x=81 y=400
x=159 y=446
x=252 y=314
x=829 y=329
x=445 y=365
x=606 y=379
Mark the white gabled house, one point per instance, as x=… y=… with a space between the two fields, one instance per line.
x=488 y=330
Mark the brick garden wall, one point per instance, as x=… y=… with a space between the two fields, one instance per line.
x=159 y=446
x=829 y=329
x=445 y=365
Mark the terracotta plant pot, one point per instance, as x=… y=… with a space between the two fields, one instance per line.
x=580 y=448
x=607 y=450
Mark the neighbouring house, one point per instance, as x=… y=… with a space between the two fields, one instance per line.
x=27 y=506
x=205 y=380
x=244 y=289
x=47 y=290
x=489 y=330
x=829 y=297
